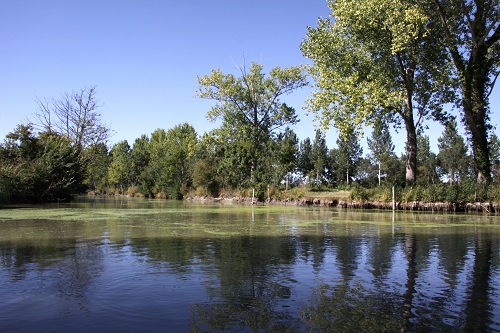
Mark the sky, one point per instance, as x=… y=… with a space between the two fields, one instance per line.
x=144 y=57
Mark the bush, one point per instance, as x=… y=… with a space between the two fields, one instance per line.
x=359 y=193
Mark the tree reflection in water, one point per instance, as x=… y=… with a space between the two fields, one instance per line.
x=281 y=275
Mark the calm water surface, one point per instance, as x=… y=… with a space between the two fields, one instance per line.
x=132 y=265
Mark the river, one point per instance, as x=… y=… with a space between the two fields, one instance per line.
x=139 y=265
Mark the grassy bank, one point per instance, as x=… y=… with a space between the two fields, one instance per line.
x=436 y=197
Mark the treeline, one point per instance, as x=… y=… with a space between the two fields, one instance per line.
x=176 y=162
x=61 y=160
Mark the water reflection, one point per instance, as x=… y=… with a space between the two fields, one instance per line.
x=205 y=270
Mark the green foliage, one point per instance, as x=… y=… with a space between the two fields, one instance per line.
x=375 y=59
x=251 y=111
x=452 y=151
x=347 y=156
x=204 y=176
x=305 y=164
x=119 y=173
x=39 y=168
x=286 y=155
x=171 y=156
x=471 y=32
x=319 y=159
x=494 y=146
x=381 y=147
x=427 y=161
x=97 y=163
x=359 y=193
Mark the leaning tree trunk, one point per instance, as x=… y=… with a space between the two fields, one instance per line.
x=475 y=108
x=475 y=73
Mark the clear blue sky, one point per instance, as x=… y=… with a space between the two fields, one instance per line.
x=144 y=56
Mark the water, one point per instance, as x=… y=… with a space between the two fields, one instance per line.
x=129 y=265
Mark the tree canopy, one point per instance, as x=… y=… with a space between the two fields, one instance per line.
x=251 y=112
x=374 y=59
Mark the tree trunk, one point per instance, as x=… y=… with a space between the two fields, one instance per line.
x=379 y=174
x=411 y=143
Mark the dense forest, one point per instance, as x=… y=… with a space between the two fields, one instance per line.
x=388 y=64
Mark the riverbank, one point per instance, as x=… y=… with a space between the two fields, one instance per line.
x=469 y=207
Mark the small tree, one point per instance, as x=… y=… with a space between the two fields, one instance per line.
x=305 y=164
x=348 y=155
x=452 y=152
x=287 y=151
x=319 y=157
x=119 y=169
x=381 y=146
x=427 y=161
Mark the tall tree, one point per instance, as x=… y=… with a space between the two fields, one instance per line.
x=381 y=146
x=374 y=59
x=472 y=33
x=250 y=107
x=452 y=152
x=181 y=142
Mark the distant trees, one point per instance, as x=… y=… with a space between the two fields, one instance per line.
x=319 y=159
x=494 y=147
x=287 y=150
x=171 y=157
x=427 y=161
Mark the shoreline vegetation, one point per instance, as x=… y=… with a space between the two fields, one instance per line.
x=342 y=199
